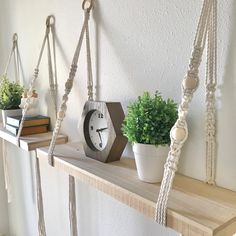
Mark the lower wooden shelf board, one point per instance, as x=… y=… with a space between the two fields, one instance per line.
x=194 y=208
x=31 y=142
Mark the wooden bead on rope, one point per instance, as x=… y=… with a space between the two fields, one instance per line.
x=69 y=84
x=178 y=134
x=61 y=114
x=190 y=83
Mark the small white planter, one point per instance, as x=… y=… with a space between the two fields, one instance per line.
x=150 y=161
x=5 y=113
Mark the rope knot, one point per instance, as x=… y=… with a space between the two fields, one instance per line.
x=15 y=39
x=50 y=21
x=171 y=165
x=65 y=97
x=192 y=74
x=87 y=5
x=73 y=70
x=69 y=84
x=211 y=87
x=36 y=72
x=196 y=58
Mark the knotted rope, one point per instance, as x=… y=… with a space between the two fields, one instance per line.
x=211 y=80
x=39 y=197
x=72 y=207
x=70 y=81
x=179 y=132
x=87 y=6
x=52 y=81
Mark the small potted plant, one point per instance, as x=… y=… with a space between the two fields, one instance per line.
x=10 y=98
x=147 y=126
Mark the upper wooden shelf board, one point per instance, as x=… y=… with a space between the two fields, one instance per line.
x=31 y=142
x=194 y=208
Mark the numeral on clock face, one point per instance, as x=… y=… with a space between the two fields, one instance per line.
x=100 y=115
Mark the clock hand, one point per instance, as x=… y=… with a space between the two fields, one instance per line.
x=100 y=137
x=100 y=130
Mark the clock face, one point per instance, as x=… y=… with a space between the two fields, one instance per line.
x=97 y=130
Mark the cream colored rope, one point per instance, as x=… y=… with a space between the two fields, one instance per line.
x=72 y=206
x=55 y=85
x=13 y=51
x=68 y=87
x=179 y=132
x=211 y=80
x=49 y=26
x=87 y=6
x=16 y=59
x=41 y=222
x=52 y=75
x=89 y=66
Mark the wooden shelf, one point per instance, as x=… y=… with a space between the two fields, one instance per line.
x=194 y=208
x=31 y=142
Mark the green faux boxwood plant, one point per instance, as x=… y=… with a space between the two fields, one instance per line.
x=10 y=94
x=150 y=119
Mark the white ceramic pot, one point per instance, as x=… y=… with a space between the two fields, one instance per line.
x=5 y=113
x=150 y=161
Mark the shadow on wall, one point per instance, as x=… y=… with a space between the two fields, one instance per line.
x=151 y=54
x=227 y=97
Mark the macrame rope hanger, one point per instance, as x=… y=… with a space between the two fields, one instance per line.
x=50 y=24
x=179 y=133
x=14 y=52
x=16 y=58
x=40 y=209
x=52 y=76
x=87 y=5
x=52 y=71
x=210 y=83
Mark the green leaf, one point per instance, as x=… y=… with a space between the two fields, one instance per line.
x=10 y=94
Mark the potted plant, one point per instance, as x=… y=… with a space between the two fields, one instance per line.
x=10 y=98
x=147 y=126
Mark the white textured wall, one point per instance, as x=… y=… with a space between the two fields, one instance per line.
x=137 y=45
x=3 y=201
